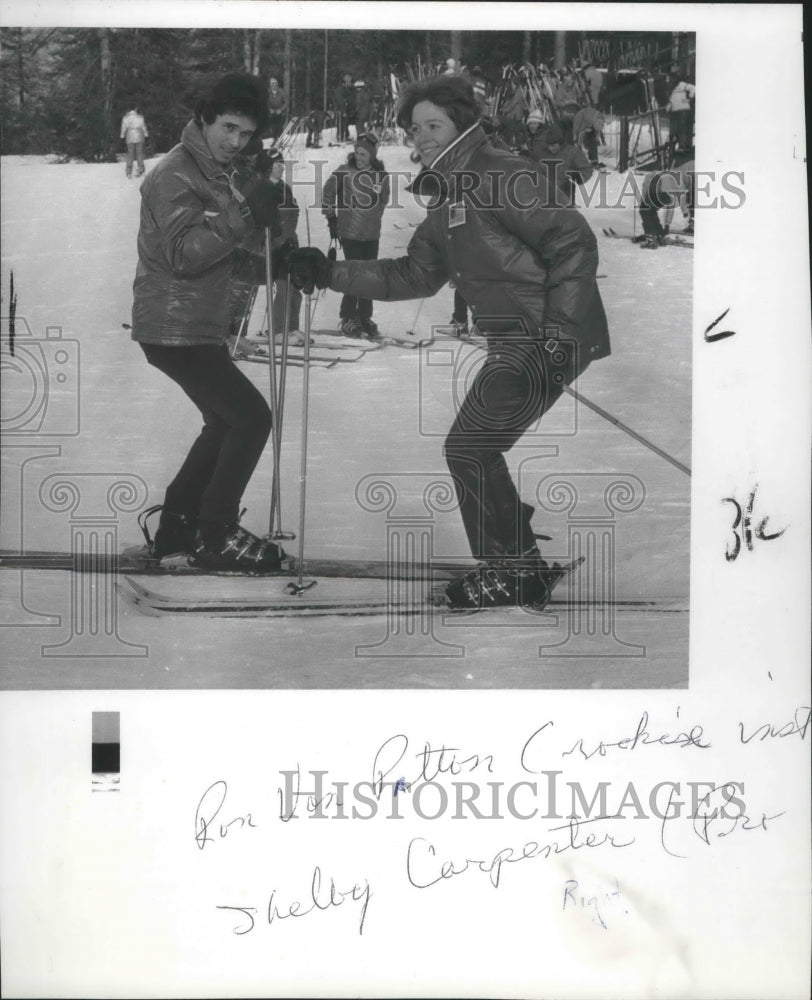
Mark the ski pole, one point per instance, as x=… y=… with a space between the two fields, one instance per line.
x=621 y=426
x=301 y=587
x=617 y=423
x=245 y=319
x=275 y=491
x=410 y=331
x=283 y=361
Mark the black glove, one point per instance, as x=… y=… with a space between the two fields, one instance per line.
x=263 y=164
x=280 y=256
x=309 y=269
x=332 y=225
x=262 y=199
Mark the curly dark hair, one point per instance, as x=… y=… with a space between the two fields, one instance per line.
x=238 y=93
x=453 y=94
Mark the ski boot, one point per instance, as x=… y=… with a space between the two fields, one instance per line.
x=510 y=582
x=652 y=243
x=370 y=329
x=230 y=548
x=174 y=536
x=526 y=581
x=351 y=328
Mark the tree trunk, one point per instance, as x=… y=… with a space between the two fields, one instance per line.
x=107 y=92
x=287 y=75
x=526 y=36
x=456 y=46
x=560 y=49
x=326 y=53
x=247 y=58
x=307 y=72
x=257 y=51
x=20 y=68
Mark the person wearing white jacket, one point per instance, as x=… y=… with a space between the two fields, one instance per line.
x=681 y=114
x=134 y=132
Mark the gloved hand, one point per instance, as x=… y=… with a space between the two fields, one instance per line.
x=332 y=225
x=280 y=256
x=263 y=164
x=262 y=200
x=309 y=269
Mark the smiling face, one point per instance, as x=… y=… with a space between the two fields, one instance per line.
x=363 y=157
x=432 y=130
x=277 y=170
x=227 y=135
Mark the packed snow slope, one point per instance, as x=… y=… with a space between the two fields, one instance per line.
x=69 y=236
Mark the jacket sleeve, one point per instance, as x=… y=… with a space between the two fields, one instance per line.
x=192 y=240
x=419 y=274
x=565 y=244
x=329 y=195
x=581 y=169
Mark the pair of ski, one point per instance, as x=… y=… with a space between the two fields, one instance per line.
x=326 y=349
x=301 y=602
x=671 y=241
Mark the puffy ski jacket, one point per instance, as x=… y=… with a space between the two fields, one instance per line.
x=191 y=224
x=512 y=259
x=358 y=198
x=133 y=127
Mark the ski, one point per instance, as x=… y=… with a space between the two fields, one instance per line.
x=135 y=560
x=296 y=356
x=411 y=343
x=674 y=241
x=154 y=604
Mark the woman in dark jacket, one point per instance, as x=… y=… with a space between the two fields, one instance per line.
x=527 y=267
x=353 y=200
x=194 y=218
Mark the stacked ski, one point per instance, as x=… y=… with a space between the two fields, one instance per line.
x=671 y=241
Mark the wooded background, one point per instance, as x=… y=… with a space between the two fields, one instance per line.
x=63 y=91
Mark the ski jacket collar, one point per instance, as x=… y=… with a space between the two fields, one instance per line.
x=433 y=181
x=192 y=140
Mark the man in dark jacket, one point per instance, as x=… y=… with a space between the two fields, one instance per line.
x=343 y=103
x=194 y=218
x=564 y=162
x=528 y=271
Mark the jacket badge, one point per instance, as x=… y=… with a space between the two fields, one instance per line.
x=456 y=214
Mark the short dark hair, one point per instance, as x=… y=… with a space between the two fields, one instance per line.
x=453 y=94
x=239 y=93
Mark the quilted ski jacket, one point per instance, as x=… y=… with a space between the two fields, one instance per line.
x=358 y=198
x=521 y=261
x=191 y=224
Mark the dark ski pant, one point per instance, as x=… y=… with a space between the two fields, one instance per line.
x=353 y=307
x=460 y=314
x=236 y=426
x=651 y=221
x=276 y=124
x=519 y=381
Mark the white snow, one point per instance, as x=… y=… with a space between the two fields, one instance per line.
x=69 y=235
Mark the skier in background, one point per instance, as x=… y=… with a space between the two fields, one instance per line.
x=278 y=106
x=565 y=163
x=134 y=132
x=343 y=103
x=681 y=114
x=362 y=107
x=529 y=272
x=353 y=202
x=587 y=128
x=663 y=191
x=195 y=214
x=533 y=135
